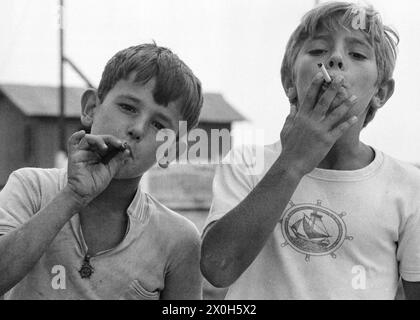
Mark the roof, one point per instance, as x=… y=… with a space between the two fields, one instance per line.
x=42 y=101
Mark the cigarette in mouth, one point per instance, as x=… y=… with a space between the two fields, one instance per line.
x=324 y=71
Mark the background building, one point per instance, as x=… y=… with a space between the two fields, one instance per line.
x=29 y=127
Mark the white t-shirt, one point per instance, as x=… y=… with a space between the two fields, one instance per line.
x=157 y=240
x=343 y=235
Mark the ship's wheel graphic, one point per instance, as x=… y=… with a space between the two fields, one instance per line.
x=313 y=230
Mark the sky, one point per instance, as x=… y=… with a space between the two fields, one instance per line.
x=235 y=47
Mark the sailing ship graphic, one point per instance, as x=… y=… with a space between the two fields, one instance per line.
x=313 y=230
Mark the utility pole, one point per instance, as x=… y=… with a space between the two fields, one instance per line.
x=62 y=118
x=60 y=158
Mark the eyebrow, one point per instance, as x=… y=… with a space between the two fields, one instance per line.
x=131 y=97
x=350 y=40
x=140 y=102
x=359 y=41
x=321 y=37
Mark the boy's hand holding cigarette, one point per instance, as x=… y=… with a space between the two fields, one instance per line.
x=312 y=128
x=93 y=161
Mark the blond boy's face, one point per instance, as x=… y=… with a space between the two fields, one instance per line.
x=345 y=53
x=130 y=113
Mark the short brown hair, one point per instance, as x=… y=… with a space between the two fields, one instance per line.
x=174 y=80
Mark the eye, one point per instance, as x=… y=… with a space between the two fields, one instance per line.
x=358 y=56
x=317 y=52
x=158 y=125
x=127 y=107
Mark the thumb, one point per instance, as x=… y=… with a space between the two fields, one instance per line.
x=118 y=161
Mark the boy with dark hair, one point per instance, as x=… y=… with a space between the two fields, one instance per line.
x=89 y=232
x=329 y=217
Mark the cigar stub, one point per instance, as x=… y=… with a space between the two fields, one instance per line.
x=113 y=151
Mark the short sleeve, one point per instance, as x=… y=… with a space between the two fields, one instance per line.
x=17 y=203
x=232 y=182
x=408 y=253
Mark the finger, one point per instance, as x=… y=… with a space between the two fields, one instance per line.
x=118 y=161
x=112 y=141
x=338 y=131
x=85 y=156
x=102 y=144
x=93 y=143
x=327 y=97
x=74 y=139
x=339 y=99
x=340 y=112
x=312 y=93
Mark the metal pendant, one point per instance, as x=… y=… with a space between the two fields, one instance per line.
x=86 y=270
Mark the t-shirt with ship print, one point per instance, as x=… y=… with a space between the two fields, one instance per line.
x=343 y=234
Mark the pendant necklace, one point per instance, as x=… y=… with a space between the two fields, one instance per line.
x=86 y=270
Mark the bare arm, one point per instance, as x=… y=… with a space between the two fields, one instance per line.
x=20 y=249
x=232 y=243
x=411 y=290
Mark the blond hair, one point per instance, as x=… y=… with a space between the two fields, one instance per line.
x=333 y=16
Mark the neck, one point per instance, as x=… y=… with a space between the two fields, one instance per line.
x=347 y=154
x=116 y=197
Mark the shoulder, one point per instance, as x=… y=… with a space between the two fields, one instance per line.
x=402 y=180
x=253 y=155
x=39 y=175
x=43 y=183
x=28 y=190
x=172 y=225
x=402 y=172
x=251 y=161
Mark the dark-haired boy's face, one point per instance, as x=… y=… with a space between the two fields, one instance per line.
x=345 y=53
x=130 y=113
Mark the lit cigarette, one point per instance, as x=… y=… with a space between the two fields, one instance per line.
x=327 y=77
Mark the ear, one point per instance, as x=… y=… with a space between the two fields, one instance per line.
x=169 y=155
x=89 y=102
x=384 y=92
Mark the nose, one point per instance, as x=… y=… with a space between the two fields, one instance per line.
x=137 y=130
x=336 y=61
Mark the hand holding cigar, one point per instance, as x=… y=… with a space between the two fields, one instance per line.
x=106 y=146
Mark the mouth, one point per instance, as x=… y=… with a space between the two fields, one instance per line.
x=126 y=146
x=326 y=85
